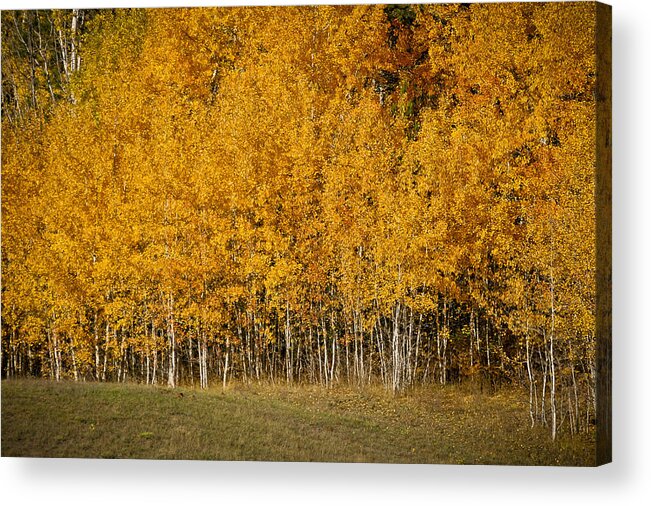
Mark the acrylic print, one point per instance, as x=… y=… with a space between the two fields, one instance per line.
x=375 y=233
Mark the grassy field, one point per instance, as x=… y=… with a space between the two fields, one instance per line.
x=277 y=423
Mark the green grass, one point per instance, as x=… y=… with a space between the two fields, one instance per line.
x=277 y=423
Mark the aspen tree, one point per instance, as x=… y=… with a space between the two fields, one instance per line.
x=394 y=194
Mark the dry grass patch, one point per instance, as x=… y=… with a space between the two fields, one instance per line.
x=277 y=423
